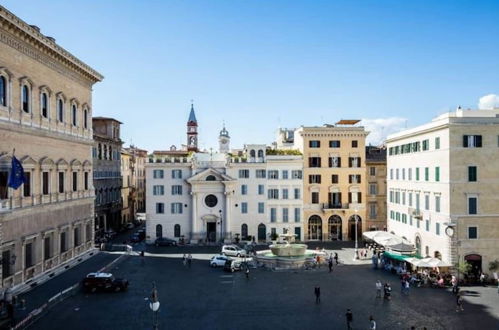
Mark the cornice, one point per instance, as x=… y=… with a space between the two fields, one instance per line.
x=21 y=36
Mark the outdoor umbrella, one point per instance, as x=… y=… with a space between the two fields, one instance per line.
x=401 y=247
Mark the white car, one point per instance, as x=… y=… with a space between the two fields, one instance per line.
x=218 y=261
x=232 y=250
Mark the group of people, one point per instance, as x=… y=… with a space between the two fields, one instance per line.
x=386 y=288
x=187 y=260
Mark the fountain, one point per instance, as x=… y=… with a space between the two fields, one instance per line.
x=286 y=254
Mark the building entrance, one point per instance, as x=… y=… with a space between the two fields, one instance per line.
x=211 y=231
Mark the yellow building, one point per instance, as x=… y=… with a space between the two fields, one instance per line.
x=376 y=187
x=334 y=176
x=46 y=115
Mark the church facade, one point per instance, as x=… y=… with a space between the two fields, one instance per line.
x=218 y=196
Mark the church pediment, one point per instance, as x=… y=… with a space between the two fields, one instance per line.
x=210 y=175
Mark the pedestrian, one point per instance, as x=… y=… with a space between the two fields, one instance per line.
x=459 y=303
x=247 y=273
x=189 y=260
x=184 y=260
x=387 y=291
x=379 y=286
x=10 y=313
x=372 y=323
x=330 y=265
x=318 y=261
x=336 y=258
x=482 y=279
x=407 y=287
x=349 y=317
x=317 y=292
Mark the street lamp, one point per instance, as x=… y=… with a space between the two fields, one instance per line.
x=154 y=306
x=356 y=253
x=221 y=227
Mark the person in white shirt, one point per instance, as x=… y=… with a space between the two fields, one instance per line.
x=379 y=287
x=372 y=323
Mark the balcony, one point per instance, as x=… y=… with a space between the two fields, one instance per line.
x=336 y=206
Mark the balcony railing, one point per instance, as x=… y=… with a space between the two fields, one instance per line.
x=330 y=206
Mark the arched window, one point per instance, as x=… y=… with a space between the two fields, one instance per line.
x=60 y=110
x=74 y=114
x=252 y=153
x=159 y=231
x=25 y=99
x=260 y=153
x=99 y=155
x=244 y=231
x=211 y=178
x=110 y=153
x=105 y=151
x=3 y=91
x=85 y=118
x=45 y=105
x=176 y=230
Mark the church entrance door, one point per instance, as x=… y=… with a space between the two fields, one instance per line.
x=211 y=231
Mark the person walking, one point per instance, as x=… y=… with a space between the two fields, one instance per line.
x=317 y=292
x=407 y=286
x=184 y=260
x=372 y=323
x=336 y=258
x=349 y=316
x=330 y=265
x=482 y=279
x=189 y=260
x=459 y=303
x=387 y=291
x=379 y=287
x=247 y=272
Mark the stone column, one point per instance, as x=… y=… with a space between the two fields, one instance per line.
x=193 y=216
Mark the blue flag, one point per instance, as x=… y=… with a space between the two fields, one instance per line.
x=16 y=177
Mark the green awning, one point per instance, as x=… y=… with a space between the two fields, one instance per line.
x=396 y=256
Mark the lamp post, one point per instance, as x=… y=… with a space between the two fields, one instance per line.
x=221 y=227
x=356 y=253
x=154 y=306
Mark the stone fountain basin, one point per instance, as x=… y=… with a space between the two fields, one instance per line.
x=288 y=250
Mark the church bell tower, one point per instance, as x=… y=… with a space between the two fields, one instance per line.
x=192 y=131
x=223 y=141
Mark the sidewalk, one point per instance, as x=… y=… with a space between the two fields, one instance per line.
x=39 y=295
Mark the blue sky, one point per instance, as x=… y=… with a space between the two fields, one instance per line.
x=258 y=65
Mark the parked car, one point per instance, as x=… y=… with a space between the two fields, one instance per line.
x=232 y=265
x=142 y=233
x=163 y=241
x=135 y=238
x=233 y=250
x=218 y=260
x=103 y=282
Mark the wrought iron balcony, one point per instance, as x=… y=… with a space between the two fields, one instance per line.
x=330 y=206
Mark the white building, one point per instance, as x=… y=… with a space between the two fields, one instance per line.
x=208 y=197
x=442 y=185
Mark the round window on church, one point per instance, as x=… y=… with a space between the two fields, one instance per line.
x=211 y=200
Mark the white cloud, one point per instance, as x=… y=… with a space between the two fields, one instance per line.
x=380 y=128
x=488 y=102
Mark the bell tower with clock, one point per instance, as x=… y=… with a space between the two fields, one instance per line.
x=192 y=131
x=224 y=140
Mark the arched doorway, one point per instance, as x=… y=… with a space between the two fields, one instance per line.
x=475 y=260
x=334 y=227
x=176 y=230
x=418 y=245
x=159 y=231
x=351 y=227
x=262 y=233
x=244 y=231
x=315 y=228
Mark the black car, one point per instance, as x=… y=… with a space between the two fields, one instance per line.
x=163 y=241
x=103 y=282
x=135 y=238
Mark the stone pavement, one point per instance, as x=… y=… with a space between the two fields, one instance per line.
x=206 y=298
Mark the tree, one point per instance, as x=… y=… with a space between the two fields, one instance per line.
x=494 y=265
x=463 y=268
